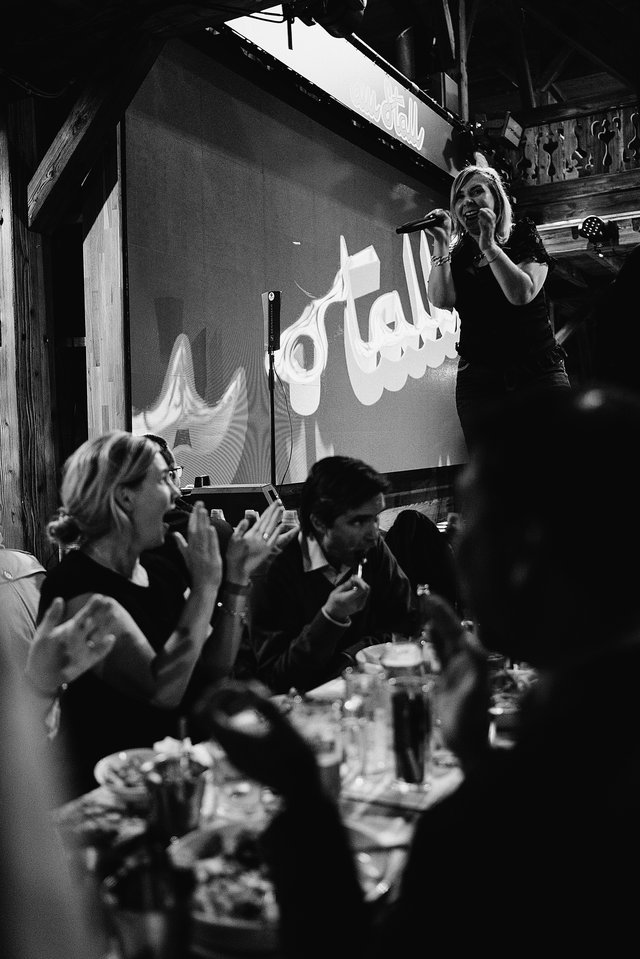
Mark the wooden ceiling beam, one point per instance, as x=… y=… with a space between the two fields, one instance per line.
x=444 y=33
x=527 y=94
x=99 y=107
x=574 y=31
x=555 y=112
x=553 y=69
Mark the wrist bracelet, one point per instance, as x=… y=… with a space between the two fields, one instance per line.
x=236 y=589
x=240 y=614
x=439 y=260
x=52 y=721
x=489 y=262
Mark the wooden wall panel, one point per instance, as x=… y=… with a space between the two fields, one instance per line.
x=28 y=479
x=108 y=380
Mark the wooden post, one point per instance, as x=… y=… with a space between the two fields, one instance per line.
x=462 y=54
x=28 y=478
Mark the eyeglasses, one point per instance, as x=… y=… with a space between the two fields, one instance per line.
x=175 y=473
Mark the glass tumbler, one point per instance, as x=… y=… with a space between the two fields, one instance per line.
x=410 y=701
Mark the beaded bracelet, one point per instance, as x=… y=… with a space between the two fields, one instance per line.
x=439 y=260
x=240 y=614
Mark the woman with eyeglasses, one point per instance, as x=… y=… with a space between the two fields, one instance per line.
x=115 y=493
x=492 y=272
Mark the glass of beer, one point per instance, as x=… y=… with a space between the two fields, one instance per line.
x=410 y=700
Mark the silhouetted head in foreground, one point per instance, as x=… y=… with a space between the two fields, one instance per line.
x=550 y=510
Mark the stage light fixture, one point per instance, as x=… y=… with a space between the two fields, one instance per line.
x=598 y=232
x=340 y=18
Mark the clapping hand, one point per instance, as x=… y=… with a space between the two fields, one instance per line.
x=62 y=651
x=487 y=223
x=253 y=541
x=202 y=553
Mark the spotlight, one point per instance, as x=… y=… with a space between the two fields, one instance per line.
x=597 y=232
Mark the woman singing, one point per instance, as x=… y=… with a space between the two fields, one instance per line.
x=493 y=273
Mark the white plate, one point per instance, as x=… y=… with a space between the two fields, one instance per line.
x=369 y=657
x=120 y=772
x=334 y=689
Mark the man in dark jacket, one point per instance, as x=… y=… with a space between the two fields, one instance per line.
x=335 y=588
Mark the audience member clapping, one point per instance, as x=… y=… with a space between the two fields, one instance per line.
x=115 y=493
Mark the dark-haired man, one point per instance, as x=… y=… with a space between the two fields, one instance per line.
x=335 y=588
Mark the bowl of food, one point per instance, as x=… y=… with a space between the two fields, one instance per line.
x=122 y=773
x=234 y=906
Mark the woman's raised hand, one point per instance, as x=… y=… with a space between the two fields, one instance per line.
x=63 y=650
x=202 y=552
x=487 y=223
x=253 y=542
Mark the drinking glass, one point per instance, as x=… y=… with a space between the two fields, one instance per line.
x=320 y=722
x=176 y=789
x=365 y=721
x=410 y=700
x=234 y=796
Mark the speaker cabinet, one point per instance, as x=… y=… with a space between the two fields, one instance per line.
x=233 y=500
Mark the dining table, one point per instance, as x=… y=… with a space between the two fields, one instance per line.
x=99 y=830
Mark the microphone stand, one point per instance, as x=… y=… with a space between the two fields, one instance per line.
x=272 y=413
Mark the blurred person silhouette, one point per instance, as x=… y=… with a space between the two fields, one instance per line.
x=614 y=328
x=115 y=493
x=424 y=554
x=21 y=575
x=43 y=911
x=536 y=846
x=493 y=272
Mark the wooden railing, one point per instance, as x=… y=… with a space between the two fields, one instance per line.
x=591 y=145
x=568 y=166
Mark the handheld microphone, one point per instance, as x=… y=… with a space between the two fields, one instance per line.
x=414 y=225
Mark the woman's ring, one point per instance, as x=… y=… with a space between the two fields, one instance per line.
x=265 y=536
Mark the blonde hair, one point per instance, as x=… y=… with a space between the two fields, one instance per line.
x=503 y=210
x=91 y=478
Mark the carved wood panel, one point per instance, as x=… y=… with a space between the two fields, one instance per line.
x=603 y=143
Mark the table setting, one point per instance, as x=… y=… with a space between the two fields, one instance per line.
x=171 y=835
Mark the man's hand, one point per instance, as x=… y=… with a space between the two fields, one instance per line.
x=62 y=651
x=347 y=598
